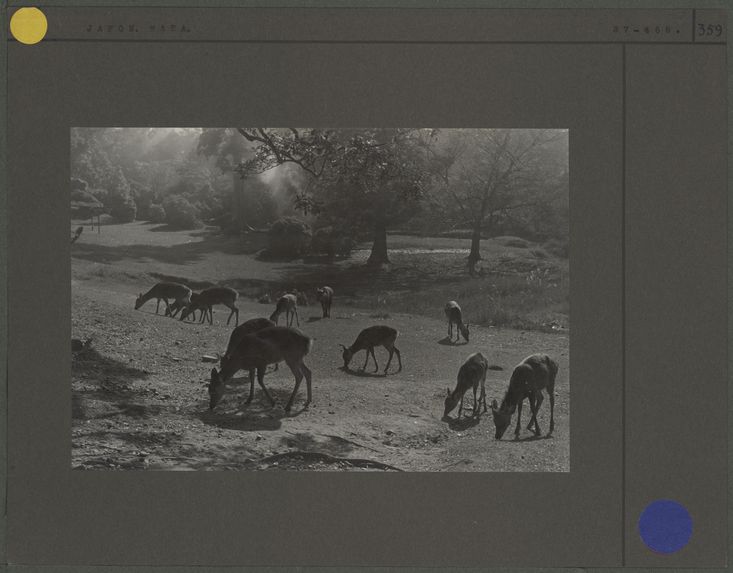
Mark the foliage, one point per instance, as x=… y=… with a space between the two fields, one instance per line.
x=179 y=213
x=332 y=241
x=289 y=237
x=369 y=179
x=156 y=214
x=124 y=211
x=558 y=247
x=119 y=199
x=78 y=184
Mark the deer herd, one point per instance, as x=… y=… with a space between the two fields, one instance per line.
x=261 y=342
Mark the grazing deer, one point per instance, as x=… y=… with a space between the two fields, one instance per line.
x=177 y=292
x=453 y=314
x=287 y=303
x=254 y=352
x=379 y=335
x=529 y=378
x=470 y=375
x=325 y=297
x=206 y=299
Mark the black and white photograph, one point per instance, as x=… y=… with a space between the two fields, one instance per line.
x=320 y=299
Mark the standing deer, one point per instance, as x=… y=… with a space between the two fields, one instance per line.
x=287 y=303
x=325 y=297
x=379 y=335
x=177 y=292
x=254 y=352
x=529 y=378
x=454 y=316
x=470 y=375
x=207 y=298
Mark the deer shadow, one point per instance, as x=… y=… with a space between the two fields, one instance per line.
x=447 y=341
x=532 y=438
x=463 y=423
x=362 y=373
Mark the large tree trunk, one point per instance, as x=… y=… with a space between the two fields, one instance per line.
x=379 y=254
x=475 y=255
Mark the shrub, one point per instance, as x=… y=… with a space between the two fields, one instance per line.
x=124 y=210
x=156 y=214
x=289 y=237
x=179 y=213
x=509 y=241
x=558 y=247
x=332 y=242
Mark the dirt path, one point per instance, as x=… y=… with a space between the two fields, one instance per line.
x=140 y=401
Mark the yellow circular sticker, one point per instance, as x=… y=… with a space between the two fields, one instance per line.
x=28 y=25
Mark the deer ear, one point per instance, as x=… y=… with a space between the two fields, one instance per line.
x=447 y=391
x=214 y=373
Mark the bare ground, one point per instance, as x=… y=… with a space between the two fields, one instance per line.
x=139 y=399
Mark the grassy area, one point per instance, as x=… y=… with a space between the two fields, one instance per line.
x=519 y=284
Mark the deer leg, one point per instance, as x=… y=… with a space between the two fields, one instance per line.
x=297 y=319
x=483 y=392
x=475 y=387
x=307 y=373
x=519 y=418
x=251 y=386
x=538 y=403
x=551 y=394
x=399 y=358
x=296 y=370
x=391 y=354
x=532 y=401
x=460 y=407
x=366 y=361
x=261 y=382
x=157 y=306
x=376 y=366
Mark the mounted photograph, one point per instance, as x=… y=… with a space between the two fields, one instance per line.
x=320 y=299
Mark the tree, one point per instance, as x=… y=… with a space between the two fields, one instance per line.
x=370 y=178
x=119 y=199
x=491 y=177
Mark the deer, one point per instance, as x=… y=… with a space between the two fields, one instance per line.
x=454 y=316
x=254 y=352
x=209 y=297
x=471 y=373
x=177 y=292
x=287 y=303
x=379 y=335
x=532 y=375
x=325 y=297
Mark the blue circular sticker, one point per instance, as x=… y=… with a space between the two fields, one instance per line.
x=665 y=526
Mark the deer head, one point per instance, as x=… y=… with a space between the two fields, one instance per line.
x=139 y=301
x=502 y=419
x=347 y=355
x=216 y=389
x=450 y=402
